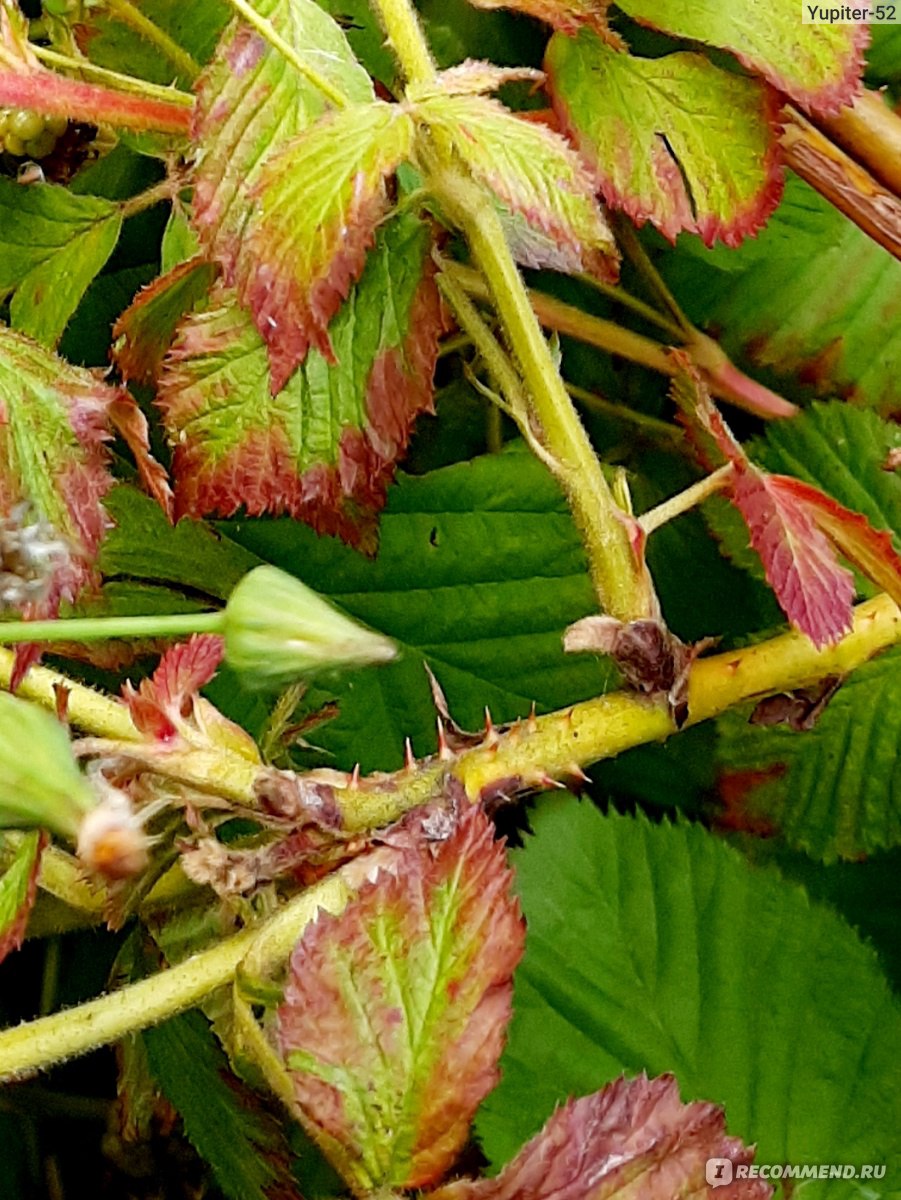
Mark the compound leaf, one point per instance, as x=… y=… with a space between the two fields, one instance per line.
x=817 y=64
x=395 y=1011
x=659 y=948
x=251 y=102
x=534 y=173
x=324 y=449
x=52 y=244
x=674 y=140
x=317 y=204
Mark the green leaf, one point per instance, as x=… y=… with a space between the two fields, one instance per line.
x=817 y=65
x=812 y=295
x=251 y=102
x=226 y=1123
x=834 y=790
x=479 y=571
x=317 y=205
x=18 y=888
x=674 y=140
x=657 y=947
x=395 y=1011
x=324 y=448
x=52 y=244
x=534 y=173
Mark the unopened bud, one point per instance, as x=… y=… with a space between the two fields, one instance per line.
x=40 y=783
x=278 y=630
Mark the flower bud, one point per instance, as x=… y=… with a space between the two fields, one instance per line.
x=40 y=783
x=277 y=630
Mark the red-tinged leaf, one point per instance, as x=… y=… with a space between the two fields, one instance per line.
x=818 y=65
x=318 y=203
x=144 y=331
x=324 y=449
x=536 y=175
x=566 y=15
x=251 y=102
x=131 y=425
x=18 y=889
x=868 y=549
x=713 y=441
x=395 y=1011
x=634 y=1140
x=673 y=140
x=160 y=705
x=815 y=592
x=24 y=83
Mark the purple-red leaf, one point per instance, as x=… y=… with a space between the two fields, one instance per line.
x=324 y=449
x=634 y=1140
x=18 y=889
x=815 y=592
x=160 y=705
x=395 y=1011
x=317 y=205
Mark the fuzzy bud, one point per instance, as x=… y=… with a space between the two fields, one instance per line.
x=40 y=783
x=278 y=630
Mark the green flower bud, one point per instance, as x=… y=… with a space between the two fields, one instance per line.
x=277 y=630
x=40 y=783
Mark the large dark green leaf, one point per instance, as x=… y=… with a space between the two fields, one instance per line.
x=657 y=947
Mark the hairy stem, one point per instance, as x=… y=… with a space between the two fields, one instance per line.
x=405 y=37
x=86 y=709
x=723 y=378
x=685 y=500
x=56 y=96
x=126 y=83
x=549 y=746
x=130 y=15
x=621 y=583
x=270 y=34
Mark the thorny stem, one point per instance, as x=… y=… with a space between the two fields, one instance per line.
x=269 y=33
x=549 y=747
x=685 y=500
x=128 y=14
x=126 y=83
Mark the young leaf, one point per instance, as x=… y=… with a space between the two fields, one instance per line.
x=251 y=102
x=318 y=203
x=814 y=591
x=18 y=889
x=324 y=449
x=144 y=331
x=52 y=244
x=638 y=122
x=56 y=419
x=395 y=1011
x=809 y=295
x=832 y=791
x=160 y=705
x=818 y=65
x=535 y=174
x=225 y=1121
x=634 y=1137
x=689 y=960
